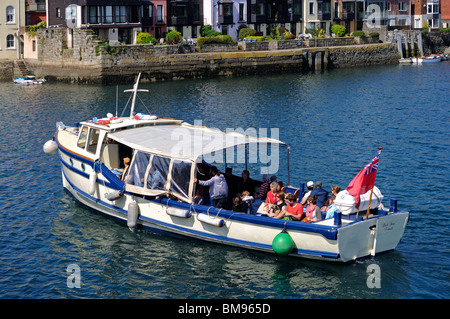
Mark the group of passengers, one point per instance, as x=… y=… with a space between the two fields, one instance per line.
x=231 y=192
x=315 y=204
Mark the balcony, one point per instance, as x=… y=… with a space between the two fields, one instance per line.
x=226 y=19
x=146 y=21
x=349 y=16
x=324 y=15
x=182 y=20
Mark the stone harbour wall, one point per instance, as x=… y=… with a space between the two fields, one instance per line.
x=6 y=70
x=79 y=58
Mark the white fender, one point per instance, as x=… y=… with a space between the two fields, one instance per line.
x=133 y=215
x=178 y=212
x=211 y=220
x=50 y=147
x=92 y=182
x=114 y=195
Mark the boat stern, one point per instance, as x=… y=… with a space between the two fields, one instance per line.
x=371 y=236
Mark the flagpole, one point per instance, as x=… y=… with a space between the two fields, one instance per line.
x=371 y=191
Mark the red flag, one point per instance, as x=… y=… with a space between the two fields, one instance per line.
x=364 y=181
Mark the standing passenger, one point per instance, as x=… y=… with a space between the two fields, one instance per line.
x=218 y=188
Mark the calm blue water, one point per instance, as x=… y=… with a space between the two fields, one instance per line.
x=333 y=121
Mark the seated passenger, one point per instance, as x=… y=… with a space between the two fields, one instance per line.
x=331 y=207
x=294 y=210
x=239 y=205
x=272 y=194
x=335 y=190
x=246 y=197
x=322 y=195
x=198 y=199
x=279 y=207
x=310 y=186
x=312 y=213
x=264 y=188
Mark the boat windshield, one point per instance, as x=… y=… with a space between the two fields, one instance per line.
x=151 y=174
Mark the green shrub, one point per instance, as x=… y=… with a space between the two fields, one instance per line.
x=444 y=30
x=207 y=31
x=173 y=37
x=215 y=39
x=374 y=34
x=246 y=32
x=145 y=38
x=359 y=33
x=33 y=28
x=288 y=35
x=338 y=30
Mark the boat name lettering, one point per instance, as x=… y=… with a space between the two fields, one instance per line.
x=388 y=226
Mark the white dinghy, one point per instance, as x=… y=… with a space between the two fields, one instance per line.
x=157 y=190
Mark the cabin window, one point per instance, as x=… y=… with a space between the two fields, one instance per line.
x=82 y=138
x=93 y=140
x=136 y=172
x=181 y=176
x=159 y=170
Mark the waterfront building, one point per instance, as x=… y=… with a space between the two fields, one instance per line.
x=445 y=13
x=317 y=15
x=12 y=21
x=344 y=13
x=186 y=16
x=266 y=15
x=119 y=21
x=399 y=13
x=35 y=11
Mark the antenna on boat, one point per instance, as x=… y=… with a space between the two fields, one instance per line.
x=135 y=90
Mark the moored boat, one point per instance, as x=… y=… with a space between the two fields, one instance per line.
x=434 y=58
x=28 y=80
x=158 y=188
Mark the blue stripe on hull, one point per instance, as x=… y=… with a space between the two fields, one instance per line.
x=171 y=228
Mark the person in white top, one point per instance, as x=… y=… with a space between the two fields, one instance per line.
x=310 y=186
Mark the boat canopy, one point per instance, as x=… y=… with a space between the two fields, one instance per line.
x=185 y=141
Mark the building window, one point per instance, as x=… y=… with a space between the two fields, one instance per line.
x=159 y=13
x=402 y=6
x=34 y=45
x=93 y=15
x=241 y=12
x=433 y=8
x=311 y=8
x=260 y=8
x=10 y=43
x=147 y=11
x=120 y=14
x=10 y=14
x=107 y=14
x=196 y=14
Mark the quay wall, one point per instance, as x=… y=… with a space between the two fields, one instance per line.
x=6 y=70
x=77 y=57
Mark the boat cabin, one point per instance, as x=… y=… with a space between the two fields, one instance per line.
x=166 y=154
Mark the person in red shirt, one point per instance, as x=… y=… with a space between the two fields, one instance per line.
x=294 y=210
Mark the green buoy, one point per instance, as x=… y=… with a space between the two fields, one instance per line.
x=283 y=244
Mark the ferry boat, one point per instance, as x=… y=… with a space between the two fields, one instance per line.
x=157 y=190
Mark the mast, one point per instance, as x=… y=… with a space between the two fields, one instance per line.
x=135 y=90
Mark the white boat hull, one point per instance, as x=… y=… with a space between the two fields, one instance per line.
x=320 y=240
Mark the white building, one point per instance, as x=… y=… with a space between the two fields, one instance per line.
x=12 y=18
